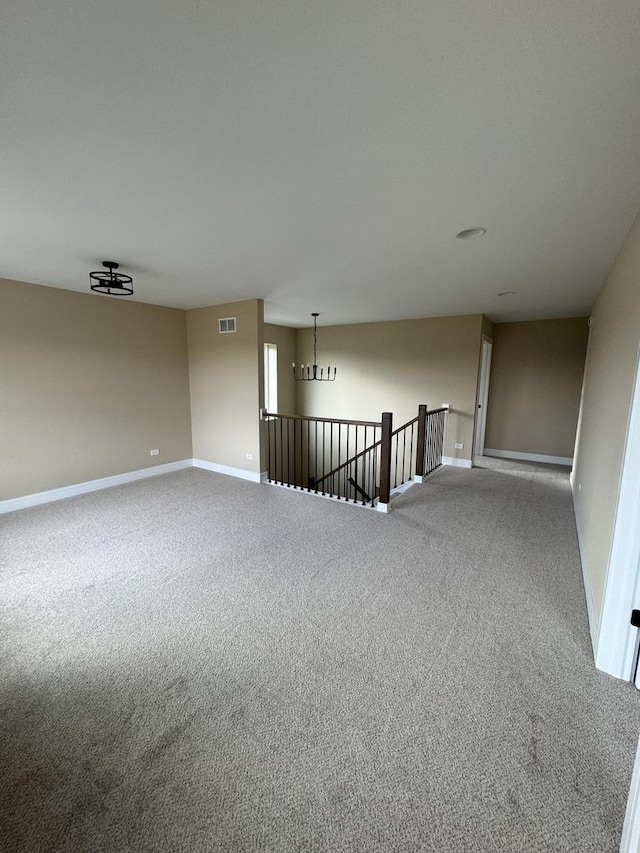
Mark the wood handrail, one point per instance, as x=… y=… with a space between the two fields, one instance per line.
x=378 y=424
x=404 y=426
x=321 y=420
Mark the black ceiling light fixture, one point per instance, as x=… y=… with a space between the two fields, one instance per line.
x=311 y=373
x=111 y=282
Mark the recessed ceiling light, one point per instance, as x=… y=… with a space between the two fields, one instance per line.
x=507 y=293
x=468 y=233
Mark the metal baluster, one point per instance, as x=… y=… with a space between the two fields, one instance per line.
x=268 y=450
x=364 y=466
x=375 y=468
x=310 y=471
x=404 y=453
x=339 y=458
x=295 y=455
x=372 y=466
x=412 y=454
x=434 y=443
x=346 y=469
x=433 y=438
x=414 y=450
x=281 y=456
x=395 y=437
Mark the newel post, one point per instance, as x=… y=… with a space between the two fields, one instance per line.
x=422 y=438
x=385 y=457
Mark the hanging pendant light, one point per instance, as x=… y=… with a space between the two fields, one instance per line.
x=311 y=373
x=111 y=282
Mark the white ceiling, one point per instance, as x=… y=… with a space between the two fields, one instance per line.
x=322 y=155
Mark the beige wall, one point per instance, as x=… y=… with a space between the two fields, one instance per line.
x=285 y=339
x=226 y=382
x=535 y=385
x=88 y=386
x=612 y=357
x=394 y=366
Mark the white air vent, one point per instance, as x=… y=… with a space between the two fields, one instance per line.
x=226 y=324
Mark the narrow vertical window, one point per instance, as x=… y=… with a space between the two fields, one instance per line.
x=271 y=377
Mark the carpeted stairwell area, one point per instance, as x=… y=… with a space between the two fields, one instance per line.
x=197 y=663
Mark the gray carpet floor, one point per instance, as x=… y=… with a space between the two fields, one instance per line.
x=196 y=663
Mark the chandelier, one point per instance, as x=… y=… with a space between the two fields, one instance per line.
x=311 y=372
x=111 y=282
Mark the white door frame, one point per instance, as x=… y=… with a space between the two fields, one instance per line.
x=630 y=842
x=482 y=396
x=617 y=639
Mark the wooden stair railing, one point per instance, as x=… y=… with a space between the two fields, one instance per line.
x=299 y=447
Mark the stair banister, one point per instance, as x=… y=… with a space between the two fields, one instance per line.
x=385 y=457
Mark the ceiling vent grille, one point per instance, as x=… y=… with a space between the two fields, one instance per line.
x=226 y=325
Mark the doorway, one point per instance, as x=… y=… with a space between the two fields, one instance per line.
x=483 y=397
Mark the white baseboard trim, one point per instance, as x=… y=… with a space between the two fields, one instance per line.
x=242 y=473
x=51 y=495
x=456 y=462
x=592 y=615
x=404 y=487
x=529 y=457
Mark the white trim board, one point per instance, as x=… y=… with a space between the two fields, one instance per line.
x=529 y=457
x=241 y=473
x=630 y=842
x=51 y=495
x=593 y=616
x=403 y=488
x=457 y=463
x=617 y=638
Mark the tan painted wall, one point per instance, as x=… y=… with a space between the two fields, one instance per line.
x=285 y=339
x=226 y=381
x=612 y=357
x=395 y=366
x=534 y=391
x=88 y=386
